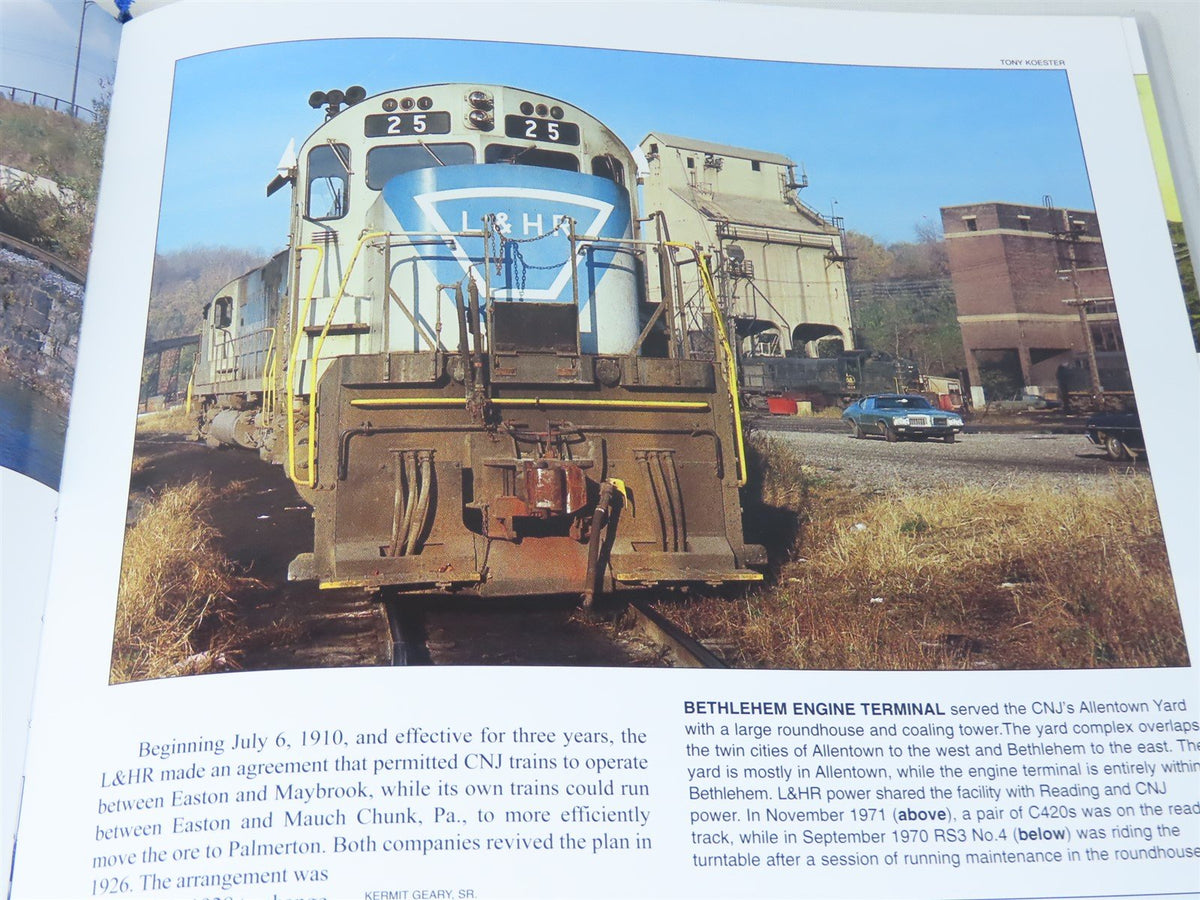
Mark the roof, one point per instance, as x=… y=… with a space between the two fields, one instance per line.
x=1008 y=205
x=685 y=143
x=752 y=211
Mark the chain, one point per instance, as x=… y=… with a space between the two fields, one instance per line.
x=520 y=265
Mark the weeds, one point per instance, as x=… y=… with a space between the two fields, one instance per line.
x=176 y=420
x=173 y=593
x=1037 y=576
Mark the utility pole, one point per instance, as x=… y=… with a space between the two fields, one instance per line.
x=79 y=51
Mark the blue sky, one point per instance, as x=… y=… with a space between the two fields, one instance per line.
x=888 y=146
x=37 y=47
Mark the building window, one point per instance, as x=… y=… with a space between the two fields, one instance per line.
x=971 y=223
x=691 y=163
x=1079 y=226
x=1106 y=337
x=755 y=165
x=1023 y=222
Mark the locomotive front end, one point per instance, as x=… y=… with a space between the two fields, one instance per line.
x=473 y=393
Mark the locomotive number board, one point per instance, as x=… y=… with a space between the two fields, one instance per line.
x=541 y=129
x=407 y=123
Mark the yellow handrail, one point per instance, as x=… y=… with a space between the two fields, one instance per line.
x=727 y=350
x=535 y=402
x=316 y=357
x=291 y=372
x=268 y=378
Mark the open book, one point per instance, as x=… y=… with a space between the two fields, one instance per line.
x=514 y=387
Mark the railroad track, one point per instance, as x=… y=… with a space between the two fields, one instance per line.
x=534 y=633
x=49 y=260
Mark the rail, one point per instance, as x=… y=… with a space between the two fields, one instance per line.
x=46 y=101
x=291 y=371
x=722 y=340
x=727 y=352
x=270 y=370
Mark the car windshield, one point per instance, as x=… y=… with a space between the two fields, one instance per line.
x=902 y=403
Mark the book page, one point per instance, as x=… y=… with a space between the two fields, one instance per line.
x=911 y=671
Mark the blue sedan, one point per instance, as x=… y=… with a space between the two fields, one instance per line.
x=897 y=416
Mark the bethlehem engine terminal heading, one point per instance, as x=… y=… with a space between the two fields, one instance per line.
x=807 y=708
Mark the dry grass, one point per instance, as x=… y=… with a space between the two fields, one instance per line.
x=175 y=420
x=174 y=584
x=1037 y=576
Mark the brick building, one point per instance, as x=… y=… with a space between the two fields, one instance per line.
x=1031 y=283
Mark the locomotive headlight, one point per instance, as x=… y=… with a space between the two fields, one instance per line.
x=478 y=118
x=480 y=100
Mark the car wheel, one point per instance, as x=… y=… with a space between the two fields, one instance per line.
x=1116 y=449
x=890 y=434
x=949 y=438
x=857 y=429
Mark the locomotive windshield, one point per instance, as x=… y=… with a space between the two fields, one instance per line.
x=328 y=181
x=530 y=156
x=384 y=163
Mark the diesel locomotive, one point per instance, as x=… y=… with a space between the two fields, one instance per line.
x=456 y=364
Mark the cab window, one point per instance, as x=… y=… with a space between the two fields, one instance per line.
x=327 y=196
x=384 y=163
x=607 y=166
x=222 y=312
x=530 y=156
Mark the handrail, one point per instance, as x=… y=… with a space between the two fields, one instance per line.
x=268 y=377
x=291 y=372
x=727 y=350
x=316 y=357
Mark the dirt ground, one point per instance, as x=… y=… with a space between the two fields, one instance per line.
x=264 y=524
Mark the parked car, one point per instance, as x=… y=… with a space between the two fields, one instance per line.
x=897 y=416
x=1120 y=434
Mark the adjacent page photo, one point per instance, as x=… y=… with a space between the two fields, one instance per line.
x=624 y=462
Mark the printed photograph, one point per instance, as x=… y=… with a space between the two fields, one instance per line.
x=56 y=68
x=471 y=353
